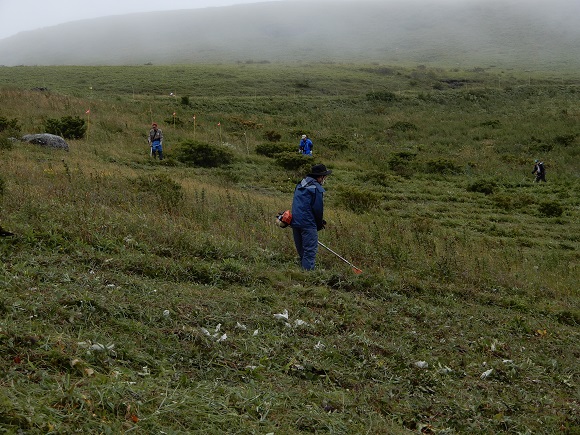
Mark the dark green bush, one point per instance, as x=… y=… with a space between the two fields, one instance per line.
x=273 y=149
x=476 y=95
x=5 y=142
x=511 y=202
x=272 y=136
x=543 y=147
x=185 y=100
x=335 y=142
x=293 y=161
x=68 y=127
x=194 y=153
x=404 y=126
x=482 y=186
x=495 y=123
x=379 y=177
x=10 y=125
x=565 y=140
x=2 y=186
x=401 y=163
x=302 y=84
x=405 y=155
x=550 y=209
x=359 y=200
x=8 y=128
x=385 y=96
x=441 y=166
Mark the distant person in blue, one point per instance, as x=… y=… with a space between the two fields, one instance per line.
x=540 y=171
x=307 y=214
x=155 y=140
x=305 y=145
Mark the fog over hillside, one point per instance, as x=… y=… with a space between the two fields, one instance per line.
x=532 y=34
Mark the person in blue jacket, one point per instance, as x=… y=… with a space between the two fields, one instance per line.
x=308 y=214
x=305 y=145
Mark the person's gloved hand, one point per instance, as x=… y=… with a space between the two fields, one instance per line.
x=323 y=224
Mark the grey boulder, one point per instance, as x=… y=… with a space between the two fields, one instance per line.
x=47 y=140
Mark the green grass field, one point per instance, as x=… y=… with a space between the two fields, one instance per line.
x=141 y=296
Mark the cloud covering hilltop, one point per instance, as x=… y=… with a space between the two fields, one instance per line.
x=530 y=34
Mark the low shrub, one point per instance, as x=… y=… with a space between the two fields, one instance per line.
x=9 y=124
x=272 y=136
x=358 y=200
x=68 y=127
x=335 y=142
x=486 y=187
x=385 y=96
x=401 y=163
x=379 y=177
x=565 y=140
x=404 y=126
x=194 y=153
x=550 y=209
x=272 y=149
x=542 y=147
x=5 y=142
x=511 y=202
x=441 y=166
x=495 y=123
x=293 y=161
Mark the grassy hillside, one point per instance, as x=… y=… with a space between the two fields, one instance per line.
x=143 y=296
x=535 y=35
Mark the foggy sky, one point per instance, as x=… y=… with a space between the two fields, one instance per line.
x=22 y=15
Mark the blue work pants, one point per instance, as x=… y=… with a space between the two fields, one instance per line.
x=306 y=241
x=156 y=148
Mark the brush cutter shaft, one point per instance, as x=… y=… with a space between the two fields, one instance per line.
x=342 y=258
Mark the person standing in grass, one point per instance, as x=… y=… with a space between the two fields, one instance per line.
x=308 y=214
x=305 y=146
x=156 y=141
x=540 y=171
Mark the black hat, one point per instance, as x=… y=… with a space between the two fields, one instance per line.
x=319 y=171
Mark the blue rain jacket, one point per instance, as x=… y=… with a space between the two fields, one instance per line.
x=306 y=146
x=307 y=205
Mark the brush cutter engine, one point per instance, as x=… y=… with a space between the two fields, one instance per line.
x=284 y=219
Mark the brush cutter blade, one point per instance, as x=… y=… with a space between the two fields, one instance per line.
x=356 y=270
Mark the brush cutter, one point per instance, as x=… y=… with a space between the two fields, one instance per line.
x=4 y=233
x=354 y=268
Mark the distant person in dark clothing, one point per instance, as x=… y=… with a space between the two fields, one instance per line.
x=155 y=140
x=307 y=214
x=540 y=171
